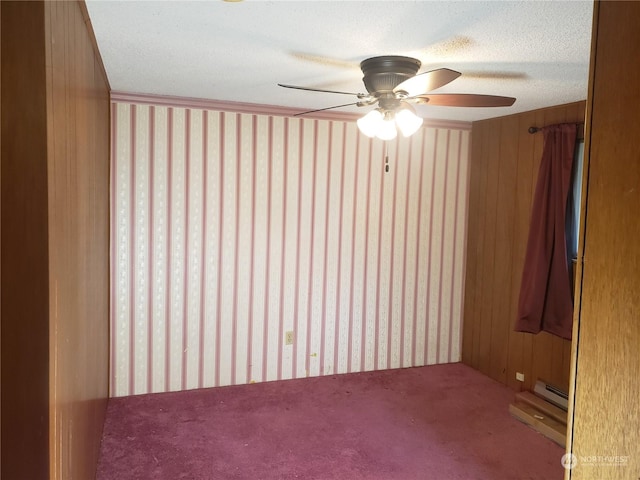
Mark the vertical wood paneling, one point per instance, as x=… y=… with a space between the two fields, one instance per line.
x=55 y=242
x=517 y=353
x=472 y=257
x=605 y=397
x=504 y=165
x=483 y=139
x=25 y=292
x=0 y=230
x=231 y=229
x=78 y=187
x=503 y=258
x=487 y=307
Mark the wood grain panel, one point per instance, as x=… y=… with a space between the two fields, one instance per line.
x=606 y=393
x=492 y=161
x=503 y=257
x=25 y=293
x=476 y=285
x=78 y=172
x=474 y=242
x=517 y=348
x=55 y=220
x=0 y=237
x=473 y=224
x=504 y=165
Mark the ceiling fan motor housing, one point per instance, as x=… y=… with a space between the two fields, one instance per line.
x=383 y=74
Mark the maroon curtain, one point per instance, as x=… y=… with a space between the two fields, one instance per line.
x=546 y=299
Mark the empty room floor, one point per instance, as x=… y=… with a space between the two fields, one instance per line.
x=437 y=422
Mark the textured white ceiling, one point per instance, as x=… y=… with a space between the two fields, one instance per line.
x=536 y=51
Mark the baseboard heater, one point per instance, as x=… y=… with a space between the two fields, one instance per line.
x=552 y=394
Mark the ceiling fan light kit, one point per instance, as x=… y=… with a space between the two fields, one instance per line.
x=407 y=121
x=392 y=81
x=369 y=123
x=384 y=124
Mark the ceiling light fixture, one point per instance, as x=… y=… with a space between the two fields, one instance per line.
x=407 y=120
x=384 y=124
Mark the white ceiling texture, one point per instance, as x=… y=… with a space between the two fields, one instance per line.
x=536 y=51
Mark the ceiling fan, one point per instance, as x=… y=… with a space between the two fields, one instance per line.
x=393 y=83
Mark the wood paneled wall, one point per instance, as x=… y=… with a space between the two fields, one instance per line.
x=55 y=221
x=78 y=162
x=0 y=238
x=606 y=426
x=503 y=172
x=25 y=281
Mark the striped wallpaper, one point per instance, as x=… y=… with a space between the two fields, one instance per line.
x=231 y=229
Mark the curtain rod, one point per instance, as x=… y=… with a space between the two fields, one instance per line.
x=538 y=129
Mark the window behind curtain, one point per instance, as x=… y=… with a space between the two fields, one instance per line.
x=572 y=224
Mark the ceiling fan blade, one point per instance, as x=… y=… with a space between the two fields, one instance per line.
x=427 y=81
x=360 y=104
x=320 y=90
x=495 y=75
x=463 y=100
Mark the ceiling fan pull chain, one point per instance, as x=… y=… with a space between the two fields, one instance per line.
x=386 y=158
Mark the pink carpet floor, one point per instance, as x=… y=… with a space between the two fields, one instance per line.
x=442 y=422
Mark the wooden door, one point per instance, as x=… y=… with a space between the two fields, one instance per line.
x=605 y=428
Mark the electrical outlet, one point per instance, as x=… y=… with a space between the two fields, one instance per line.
x=520 y=377
x=288 y=337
